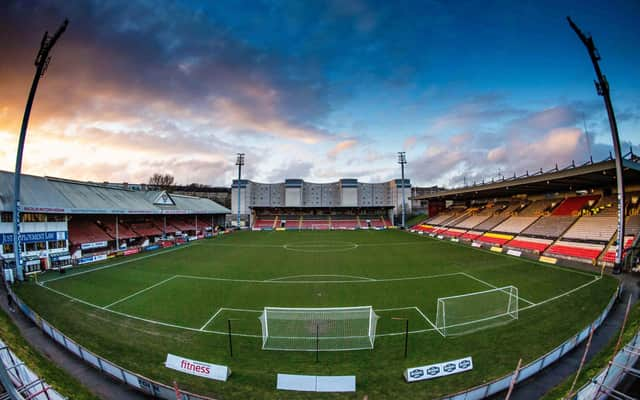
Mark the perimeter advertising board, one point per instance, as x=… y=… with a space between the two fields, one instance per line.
x=438 y=370
x=198 y=368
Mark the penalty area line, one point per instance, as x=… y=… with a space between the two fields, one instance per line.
x=494 y=287
x=139 y=292
x=210 y=319
x=427 y=319
x=184 y=246
x=149 y=321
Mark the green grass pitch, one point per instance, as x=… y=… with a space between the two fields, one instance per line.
x=133 y=311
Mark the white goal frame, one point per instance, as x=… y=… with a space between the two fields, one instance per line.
x=510 y=311
x=364 y=342
x=321 y=227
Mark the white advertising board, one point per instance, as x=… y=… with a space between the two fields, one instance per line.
x=198 y=368
x=438 y=370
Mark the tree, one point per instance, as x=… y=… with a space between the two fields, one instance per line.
x=161 y=181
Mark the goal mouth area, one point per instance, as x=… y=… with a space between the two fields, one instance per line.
x=471 y=312
x=318 y=329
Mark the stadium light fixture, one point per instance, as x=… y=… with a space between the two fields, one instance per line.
x=402 y=160
x=42 y=62
x=602 y=88
x=239 y=163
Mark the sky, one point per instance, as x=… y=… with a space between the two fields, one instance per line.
x=319 y=90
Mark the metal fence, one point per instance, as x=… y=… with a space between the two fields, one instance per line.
x=500 y=384
x=137 y=381
x=603 y=385
x=163 y=391
x=27 y=384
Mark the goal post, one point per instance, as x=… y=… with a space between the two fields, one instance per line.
x=323 y=329
x=466 y=313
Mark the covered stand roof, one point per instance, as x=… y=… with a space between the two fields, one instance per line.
x=572 y=178
x=54 y=195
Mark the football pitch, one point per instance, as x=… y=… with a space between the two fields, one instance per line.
x=135 y=310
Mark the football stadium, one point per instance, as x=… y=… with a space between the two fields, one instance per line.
x=348 y=271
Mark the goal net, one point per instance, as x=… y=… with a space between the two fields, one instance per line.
x=324 y=329
x=458 y=315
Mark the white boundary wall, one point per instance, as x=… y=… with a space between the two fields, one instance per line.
x=163 y=391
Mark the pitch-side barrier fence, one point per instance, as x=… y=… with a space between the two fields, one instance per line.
x=164 y=391
x=26 y=383
x=527 y=371
x=604 y=384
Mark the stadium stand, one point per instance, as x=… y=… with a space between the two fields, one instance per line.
x=289 y=221
x=344 y=222
x=633 y=225
x=85 y=230
x=573 y=205
x=471 y=235
x=472 y=221
x=318 y=222
x=597 y=228
x=123 y=231
x=265 y=223
x=529 y=243
x=610 y=254
x=184 y=224
x=515 y=224
x=538 y=208
x=441 y=218
x=494 y=238
x=550 y=226
x=146 y=228
x=581 y=251
x=453 y=232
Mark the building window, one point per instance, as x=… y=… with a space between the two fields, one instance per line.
x=7 y=248
x=38 y=246
x=33 y=217
x=6 y=217
x=58 y=244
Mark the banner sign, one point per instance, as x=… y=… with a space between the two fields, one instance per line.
x=94 y=245
x=476 y=244
x=198 y=368
x=496 y=249
x=516 y=253
x=438 y=370
x=548 y=260
x=90 y=259
x=131 y=251
x=33 y=237
x=152 y=247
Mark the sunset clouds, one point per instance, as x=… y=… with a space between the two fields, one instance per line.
x=318 y=90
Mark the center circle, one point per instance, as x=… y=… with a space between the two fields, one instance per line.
x=319 y=246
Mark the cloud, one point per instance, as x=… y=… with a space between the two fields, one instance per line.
x=239 y=118
x=341 y=147
x=293 y=169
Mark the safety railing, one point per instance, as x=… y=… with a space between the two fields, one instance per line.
x=163 y=391
x=527 y=371
x=27 y=384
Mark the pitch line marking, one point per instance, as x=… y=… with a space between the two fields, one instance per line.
x=597 y=278
x=150 y=321
x=427 y=319
x=271 y=281
x=119 y=263
x=139 y=292
x=392 y=309
x=493 y=286
x=210 y=319
x=319 y=276
x=154 y=322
